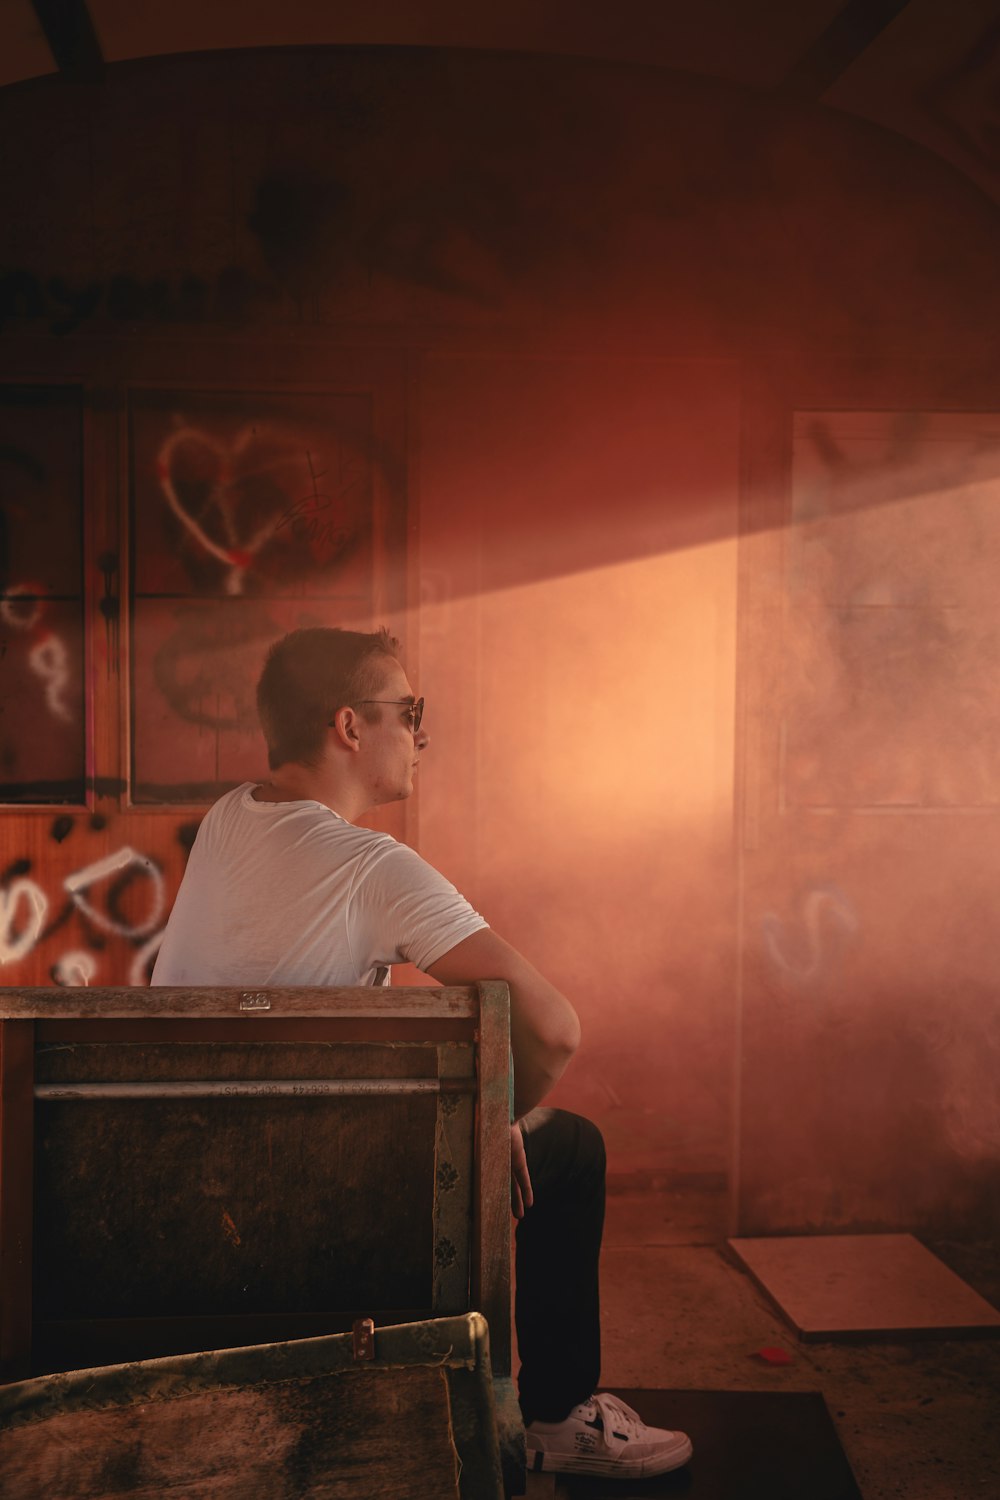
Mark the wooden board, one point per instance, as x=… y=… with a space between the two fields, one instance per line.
x=279 y=1420
x=864 y=1285
x=280 y=1206
x=187 y=1003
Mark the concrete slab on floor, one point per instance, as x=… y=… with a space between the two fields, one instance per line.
x=844 y=1285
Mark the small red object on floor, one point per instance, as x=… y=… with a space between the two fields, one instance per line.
x=773 y=1356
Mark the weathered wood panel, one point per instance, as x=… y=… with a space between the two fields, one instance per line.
x=324 y=1029
x=453 y=1167
x=373 y=1434
x=444 y=1002
x=280 y=1421
x=154 y=1062
x=16 y=1130
x=492 y=1220
x=164 y=1208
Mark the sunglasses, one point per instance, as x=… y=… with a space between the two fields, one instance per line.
x=416 y=710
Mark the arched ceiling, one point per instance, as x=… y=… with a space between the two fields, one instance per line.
x=928 y=69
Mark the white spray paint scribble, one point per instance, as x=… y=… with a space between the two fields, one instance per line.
x=49 y=661
x=22 y=609
x=841 y=925
x=30 y=898
x=240 y=552
x=115 y=864
x=137 y=969
x=75 y=969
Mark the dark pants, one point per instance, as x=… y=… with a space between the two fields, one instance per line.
x=557 y=1308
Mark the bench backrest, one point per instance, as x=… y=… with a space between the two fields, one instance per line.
x=189 y=1169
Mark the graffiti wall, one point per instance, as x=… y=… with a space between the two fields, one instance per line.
x=132 y=635
x=41 y=595
x=70 y=919
x=251 y=515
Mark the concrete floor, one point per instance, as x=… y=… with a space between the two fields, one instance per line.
x=919 y=1420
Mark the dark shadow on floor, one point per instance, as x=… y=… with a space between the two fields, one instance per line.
x=748 y=1445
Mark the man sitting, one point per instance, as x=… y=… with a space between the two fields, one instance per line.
x=282 y=888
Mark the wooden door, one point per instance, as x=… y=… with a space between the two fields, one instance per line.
x=869 y=804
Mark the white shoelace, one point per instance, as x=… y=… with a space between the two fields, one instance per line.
x=617 y=1419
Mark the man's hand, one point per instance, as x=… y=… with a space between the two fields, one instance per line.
x=521 y=1196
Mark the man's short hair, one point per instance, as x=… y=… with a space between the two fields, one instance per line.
x=307 y=676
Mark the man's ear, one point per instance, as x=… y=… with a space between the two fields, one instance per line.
x=346 y=723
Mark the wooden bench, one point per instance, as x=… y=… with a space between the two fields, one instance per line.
x=184 y=1170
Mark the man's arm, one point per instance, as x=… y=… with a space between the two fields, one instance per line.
x=544 y=1028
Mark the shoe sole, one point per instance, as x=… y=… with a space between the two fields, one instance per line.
x=608 y=1468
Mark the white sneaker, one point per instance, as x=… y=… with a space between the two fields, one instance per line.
x=604 y=1436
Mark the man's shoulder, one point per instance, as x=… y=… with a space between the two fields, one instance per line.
x=374 y=847
x=313 y=825
x=394 y=866
x=230 y=800
x=227 y=811
x=305 y=815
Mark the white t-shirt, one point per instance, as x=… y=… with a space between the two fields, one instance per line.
x=290 y=893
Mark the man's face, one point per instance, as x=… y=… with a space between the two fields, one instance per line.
x=391 y=744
